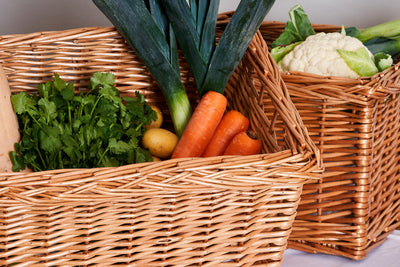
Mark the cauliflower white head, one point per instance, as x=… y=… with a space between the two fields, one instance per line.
x=318 y=55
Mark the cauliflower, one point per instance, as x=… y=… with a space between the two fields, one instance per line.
x=318 y=55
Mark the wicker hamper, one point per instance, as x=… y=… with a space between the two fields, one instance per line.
x=355 y=123
x=225 y=210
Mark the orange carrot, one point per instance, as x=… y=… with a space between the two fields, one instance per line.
x=232 y=123
x=244 y=143
x=201 y=126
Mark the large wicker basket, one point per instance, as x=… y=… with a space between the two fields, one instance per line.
x=356 y=125
x=225 y=210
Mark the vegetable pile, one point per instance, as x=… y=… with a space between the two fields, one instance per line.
x=155 y=28
x=148 y=31
x=351 y=53
x=95 y=129
x=99 y=128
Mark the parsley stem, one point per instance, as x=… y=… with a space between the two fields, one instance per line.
x=80 y=111
x=102 y=156
x=35 y=166
x=138 y=127
x=69 y=116
x=94 y=106
x=41 y=157
x=60 y=159
x=33 y=118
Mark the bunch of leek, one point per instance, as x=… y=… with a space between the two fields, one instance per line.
x=195 y=24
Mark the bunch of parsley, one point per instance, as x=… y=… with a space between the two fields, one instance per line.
x=98 y=128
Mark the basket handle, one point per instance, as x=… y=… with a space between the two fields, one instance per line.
x=269 y=74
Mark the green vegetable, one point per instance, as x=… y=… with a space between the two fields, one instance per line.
x=95 y=129
x=195 y=30
x=387 y=29
x=359 y=61
x=147 y=30
x=297 y=29
x=194 y=25
x=389 y=46
x=279 y=52
x=383 y=61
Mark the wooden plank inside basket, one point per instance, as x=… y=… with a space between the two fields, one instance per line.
x=217 y=210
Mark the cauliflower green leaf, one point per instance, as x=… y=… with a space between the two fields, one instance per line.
x=383 y=61
x=280 y=52
x=359 y=61
x=297 y=29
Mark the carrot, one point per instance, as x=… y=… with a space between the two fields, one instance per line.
x=244 y=143
x=232 y=123
x=201 y=126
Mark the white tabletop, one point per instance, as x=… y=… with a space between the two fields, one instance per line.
x=386 y=255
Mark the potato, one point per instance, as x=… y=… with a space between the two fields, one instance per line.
x=157 y=123
x=160 y=142
x=155 y=159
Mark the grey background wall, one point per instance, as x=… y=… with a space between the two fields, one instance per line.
x=25 y=16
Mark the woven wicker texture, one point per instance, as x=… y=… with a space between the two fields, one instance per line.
x=228 y=210
x=356 y=125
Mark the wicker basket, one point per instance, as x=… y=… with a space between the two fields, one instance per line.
x=356 y=125
x=225 y=210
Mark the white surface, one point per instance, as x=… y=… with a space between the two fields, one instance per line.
x=25 y=16
x=386 y=255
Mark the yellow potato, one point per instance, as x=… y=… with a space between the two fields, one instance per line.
x=155 y=158
x=160 y=142
x=157 y=123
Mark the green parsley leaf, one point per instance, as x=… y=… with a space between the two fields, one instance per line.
x=17 y=161
x=47 y=109
x=50 y=139
x=59 y=83
x=24 y=103
x=100 y=78
x=68 y=92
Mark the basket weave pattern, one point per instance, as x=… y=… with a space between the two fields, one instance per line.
x=227 y=210
x=356 y=125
